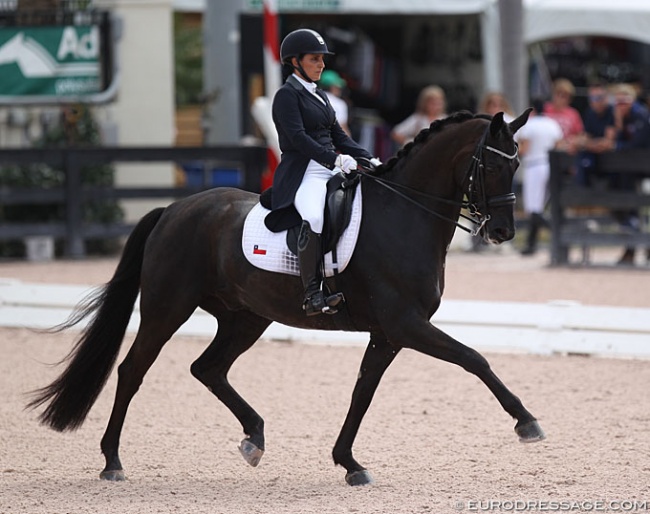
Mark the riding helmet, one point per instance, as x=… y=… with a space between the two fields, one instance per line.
x=300 y=42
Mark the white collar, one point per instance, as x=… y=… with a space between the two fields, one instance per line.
x=309 y=86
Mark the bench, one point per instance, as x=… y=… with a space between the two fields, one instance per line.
x=580 y=215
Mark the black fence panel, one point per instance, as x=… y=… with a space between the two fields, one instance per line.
x=576 y=210
x=249 y=161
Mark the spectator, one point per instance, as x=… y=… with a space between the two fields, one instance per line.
x=559 y=108
x=540 y=135
x=598 y=120
x=632 y=130
x=630 y=119
x=431 y=106
x=494 y=102
x=333 y=84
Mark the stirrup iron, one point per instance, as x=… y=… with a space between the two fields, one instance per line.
x=318 y=303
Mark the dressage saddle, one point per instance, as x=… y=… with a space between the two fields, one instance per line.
x=341 y=190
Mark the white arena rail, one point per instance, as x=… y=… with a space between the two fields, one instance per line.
x=556 y=327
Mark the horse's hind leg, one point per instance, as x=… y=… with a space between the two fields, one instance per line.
x=153 y=333
x=379 y=355
x=237 y=332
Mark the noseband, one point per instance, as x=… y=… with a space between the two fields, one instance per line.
x=478 y=204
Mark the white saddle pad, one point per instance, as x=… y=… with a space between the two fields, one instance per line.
x=269 y=251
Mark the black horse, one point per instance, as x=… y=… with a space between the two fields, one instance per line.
x=189 y=255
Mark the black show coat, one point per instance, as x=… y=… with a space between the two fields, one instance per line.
x=307 y=129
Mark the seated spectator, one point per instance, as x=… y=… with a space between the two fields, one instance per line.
x=431 y=106
x=559 y=108
x=598 y=120
x=630 y=119
x=632 y=130
x=494 y=102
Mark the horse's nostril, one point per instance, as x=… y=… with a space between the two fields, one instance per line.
x=502 y=234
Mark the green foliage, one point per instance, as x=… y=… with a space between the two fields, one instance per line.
x=188 y=62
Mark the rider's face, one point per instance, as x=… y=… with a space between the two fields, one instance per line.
x=313 y=64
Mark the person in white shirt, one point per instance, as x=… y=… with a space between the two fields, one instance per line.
x=431 y=106
x=333 y=84
x=536 y=139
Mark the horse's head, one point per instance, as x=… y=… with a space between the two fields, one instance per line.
x=465 y=154
x=488 y=181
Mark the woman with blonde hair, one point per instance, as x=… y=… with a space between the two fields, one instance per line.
x=494 y=102
x=431 y=106
x=559 y=108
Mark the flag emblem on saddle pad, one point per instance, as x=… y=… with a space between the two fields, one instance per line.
x=258 y=251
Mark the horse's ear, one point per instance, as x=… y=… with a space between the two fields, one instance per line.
x=516 y=124
x=496 y=124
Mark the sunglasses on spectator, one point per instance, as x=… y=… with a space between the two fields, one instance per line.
x=597 y=98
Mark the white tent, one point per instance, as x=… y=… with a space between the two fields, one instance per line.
x=549 y=19
x=543 y=19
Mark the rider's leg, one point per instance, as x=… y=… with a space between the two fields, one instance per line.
x=310 y=204
x=309 y=259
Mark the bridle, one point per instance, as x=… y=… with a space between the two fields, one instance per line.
x=477 y=202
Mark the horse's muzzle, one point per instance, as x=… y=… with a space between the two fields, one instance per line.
x=498 y=235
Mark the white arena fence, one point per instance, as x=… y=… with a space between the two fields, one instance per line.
x=558 y=327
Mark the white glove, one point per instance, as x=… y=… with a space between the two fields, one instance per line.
x=376 y=161
x=346 y=163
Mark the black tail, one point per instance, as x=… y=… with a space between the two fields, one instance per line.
x=90 y=362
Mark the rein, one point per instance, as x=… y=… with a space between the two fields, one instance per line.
x=476 y=189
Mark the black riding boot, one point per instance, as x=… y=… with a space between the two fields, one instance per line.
x=535 y=223
x=309 y=259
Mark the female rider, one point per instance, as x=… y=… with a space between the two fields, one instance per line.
x=309 y=137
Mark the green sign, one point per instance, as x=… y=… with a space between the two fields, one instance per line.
x=299 y=5
x=50 y=61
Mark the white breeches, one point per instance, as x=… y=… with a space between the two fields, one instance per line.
x=535 y=187
x=310 y=197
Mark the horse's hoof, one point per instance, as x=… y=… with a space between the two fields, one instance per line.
x=114 y=475
x=530 y=432
x=251 y=453
x=362 y=477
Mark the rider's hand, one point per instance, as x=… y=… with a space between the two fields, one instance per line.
x=376 y=161
x=346 y=163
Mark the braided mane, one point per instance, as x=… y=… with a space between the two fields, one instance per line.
x=435 y=127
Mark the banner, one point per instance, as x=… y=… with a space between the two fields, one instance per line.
x=50 y=61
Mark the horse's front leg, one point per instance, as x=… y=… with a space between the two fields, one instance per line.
x=379 y=354
x=422 y=336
